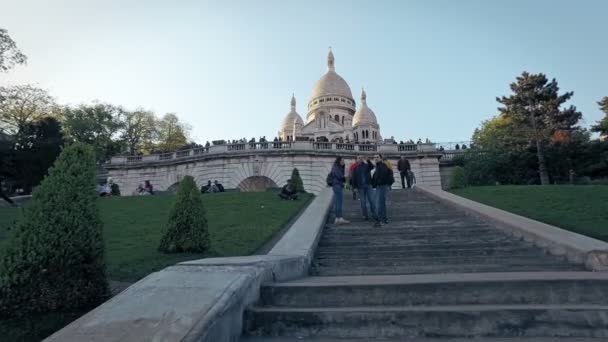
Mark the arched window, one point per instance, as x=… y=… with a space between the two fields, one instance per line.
x=337 y=117
x=343 y=120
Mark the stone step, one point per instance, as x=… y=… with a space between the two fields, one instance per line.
x=431 y=261
x=444 y=268
x=440 y=289
x=483 y=339
x=532 y=320
x=428 y=247
x=401 y=253
x=405 y=229
x=416 y=241
x=401 y=222
x=470 y=233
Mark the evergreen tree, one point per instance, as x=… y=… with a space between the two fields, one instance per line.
x=297 y=180
x=602 y=125
x=536 y=104
x=187 y=225
x=55 y=258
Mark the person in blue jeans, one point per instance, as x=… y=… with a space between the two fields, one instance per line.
x=382 y=181
x=362 y=181
x=338 y=179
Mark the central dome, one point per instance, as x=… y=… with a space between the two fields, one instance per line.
x=331 y=83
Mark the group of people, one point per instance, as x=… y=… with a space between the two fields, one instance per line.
x=372 y=181
x=145 y=189
x=212 y=188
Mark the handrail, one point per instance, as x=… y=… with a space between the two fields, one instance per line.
x=263 y=147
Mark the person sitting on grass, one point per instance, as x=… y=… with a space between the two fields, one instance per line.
x=289 y=192
x=219 y=186
x=205 y=188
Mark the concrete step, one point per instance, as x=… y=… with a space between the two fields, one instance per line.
x=437 y=234
x=440 y=289
x=395 y=228
x=445 y=268
x=416 y=241
x=428 y=247
x=482 y=339
x=438 y=321
x=428 y=261
x=430 y=253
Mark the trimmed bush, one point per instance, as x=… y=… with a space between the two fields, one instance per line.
x=187 y=230
x=55 y=258
x=457 y=179
x=297 y=180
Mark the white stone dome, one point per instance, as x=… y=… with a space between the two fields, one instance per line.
x=291 y=117
x=331 y=83
x=364 y=116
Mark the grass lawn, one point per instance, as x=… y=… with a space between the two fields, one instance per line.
x=239 y=224
x=580 y=208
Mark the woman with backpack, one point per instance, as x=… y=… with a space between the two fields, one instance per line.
x=336 y=180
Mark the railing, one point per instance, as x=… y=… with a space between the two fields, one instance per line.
x=165 y=156
x=283 y=146
x=134 y=159
x=181 y=154
x=407 y=147
x=322 y=146
x=449 y=146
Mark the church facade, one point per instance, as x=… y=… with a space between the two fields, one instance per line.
x=332 y=114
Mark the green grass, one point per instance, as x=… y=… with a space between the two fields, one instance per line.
x=581 y=209
x=239 y=224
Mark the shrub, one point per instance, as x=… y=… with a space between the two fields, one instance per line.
x=187 y=225
x=297 y=180
x=55 y=258
x=457 y=179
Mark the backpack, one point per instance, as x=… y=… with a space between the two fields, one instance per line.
x=330 y=179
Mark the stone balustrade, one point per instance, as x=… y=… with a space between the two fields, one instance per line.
x=299 y=146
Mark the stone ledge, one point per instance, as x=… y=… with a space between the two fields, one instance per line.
x=577 y=248
x=201 y=300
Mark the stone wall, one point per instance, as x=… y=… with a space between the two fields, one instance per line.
x=238 y=171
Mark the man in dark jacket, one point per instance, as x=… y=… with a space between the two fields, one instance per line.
x=404 y=167
x=362 y=181
x=382 y=181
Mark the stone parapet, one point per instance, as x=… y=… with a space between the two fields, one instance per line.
x=576 y=247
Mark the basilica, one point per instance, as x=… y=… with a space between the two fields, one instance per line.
x=332 y=114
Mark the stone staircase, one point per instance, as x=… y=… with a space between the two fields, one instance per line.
x=431 y=274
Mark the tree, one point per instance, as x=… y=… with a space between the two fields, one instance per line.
x=536 y=104
x=97 y=124
x=602 y=125
x=10 y=55
x=500 y=132
x=187 y=225
x=23 y=104
x=55 y=259
x=35 y=149
x=139 y=131
x=297 y=180
x=172 y=134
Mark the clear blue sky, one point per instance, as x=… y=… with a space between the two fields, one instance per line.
x=430 y=68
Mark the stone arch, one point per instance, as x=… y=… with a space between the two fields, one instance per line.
x=256 y=184
x=172 y=189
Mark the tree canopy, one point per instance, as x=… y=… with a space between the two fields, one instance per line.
x=10 y=55
x=536 y=106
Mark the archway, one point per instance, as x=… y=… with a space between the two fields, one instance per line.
x=257 y=184
x=173 y=188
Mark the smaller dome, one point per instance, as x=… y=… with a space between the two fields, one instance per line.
x=291 y=118
x=364 y=115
